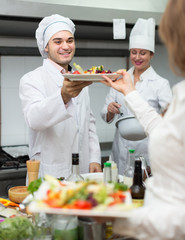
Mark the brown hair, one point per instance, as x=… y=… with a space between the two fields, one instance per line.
x=172 y=32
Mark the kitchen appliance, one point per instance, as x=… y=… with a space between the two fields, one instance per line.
x=130 y=128
x=12 y=167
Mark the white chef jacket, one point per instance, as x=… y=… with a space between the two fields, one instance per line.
x=157 y=92
x=163 y=215
x=55 y=131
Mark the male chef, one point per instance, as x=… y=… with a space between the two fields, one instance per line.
x=56 y=110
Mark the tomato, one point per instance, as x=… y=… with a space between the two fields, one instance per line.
x=83 y=204
x=79 y=204
x=118 y=196
x=76 y=72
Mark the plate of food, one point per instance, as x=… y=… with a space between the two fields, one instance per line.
x=86 y=198
x=93 y=74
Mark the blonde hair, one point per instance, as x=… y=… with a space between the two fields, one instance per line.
x=172 y=32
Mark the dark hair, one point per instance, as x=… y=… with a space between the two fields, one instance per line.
x=172 y=32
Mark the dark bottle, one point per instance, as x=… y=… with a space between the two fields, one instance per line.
x=137 y=188
x=75 y=174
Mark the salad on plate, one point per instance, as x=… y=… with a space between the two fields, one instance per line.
x=87 y=195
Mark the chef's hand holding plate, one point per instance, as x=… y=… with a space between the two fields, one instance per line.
x=72 y=89
x=123 y=84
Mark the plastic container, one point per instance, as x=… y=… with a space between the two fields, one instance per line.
x=114 y=170
x=107 y=172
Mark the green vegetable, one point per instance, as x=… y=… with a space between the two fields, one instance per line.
x=100 y=68
x=34 y=186
x=121 y=186
x=17 y=228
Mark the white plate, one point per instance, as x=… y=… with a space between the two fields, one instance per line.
x=123 y=211
x=90 y=77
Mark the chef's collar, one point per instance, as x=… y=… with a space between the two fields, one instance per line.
x=145 y=74
x=61 y=69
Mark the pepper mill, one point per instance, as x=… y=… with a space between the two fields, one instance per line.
x=32 y=170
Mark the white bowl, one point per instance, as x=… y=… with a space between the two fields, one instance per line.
x=130 y=128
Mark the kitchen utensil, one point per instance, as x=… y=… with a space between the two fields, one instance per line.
x=130 y=128
x=90 y=229
x=18 y=194
x=32 y=169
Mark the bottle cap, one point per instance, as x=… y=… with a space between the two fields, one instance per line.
x=75 y=159
x=131 y=150
x=75 y=155
x=107 y=164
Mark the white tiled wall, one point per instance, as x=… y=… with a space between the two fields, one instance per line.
x=13 y=128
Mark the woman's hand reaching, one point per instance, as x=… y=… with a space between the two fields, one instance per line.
x=123 y=84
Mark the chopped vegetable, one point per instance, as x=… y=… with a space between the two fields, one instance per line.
x=93 y=70
x=79 y=68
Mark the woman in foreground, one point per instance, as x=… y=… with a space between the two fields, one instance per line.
x=163 y=213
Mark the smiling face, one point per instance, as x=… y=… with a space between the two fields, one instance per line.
x=61 y=48
x=140 y=58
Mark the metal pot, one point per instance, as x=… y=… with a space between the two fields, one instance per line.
x=90 y=229
x=130 y=128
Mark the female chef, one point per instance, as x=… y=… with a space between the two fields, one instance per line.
x=152 y=87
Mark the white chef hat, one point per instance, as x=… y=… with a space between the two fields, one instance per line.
x=48 y=27
x=143 y=34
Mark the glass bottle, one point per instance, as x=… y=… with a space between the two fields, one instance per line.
x=107 y=172
x=129 y=172
x=75 y=175
x=137 y=188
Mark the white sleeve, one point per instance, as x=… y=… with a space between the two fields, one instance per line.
x=41 y=112
x=94 y=147
x=146 y=115
x=153 y=223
